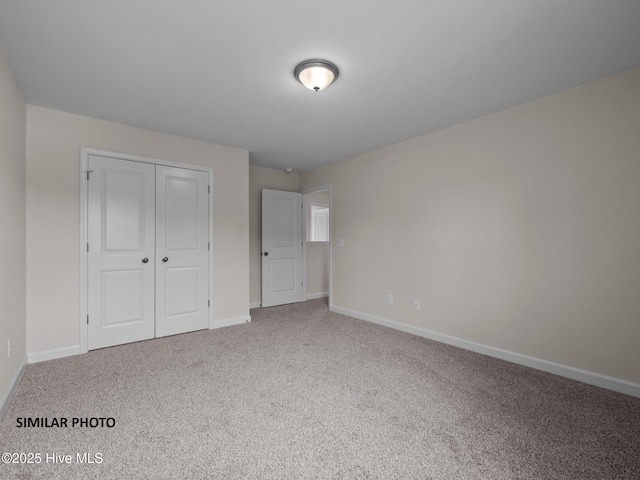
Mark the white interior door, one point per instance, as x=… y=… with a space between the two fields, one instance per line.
x=281 y=247
x=182 y=224
x=121 y=249
x=148 y=251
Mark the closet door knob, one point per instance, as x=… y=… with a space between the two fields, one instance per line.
x=145 y=260
x=165 y=259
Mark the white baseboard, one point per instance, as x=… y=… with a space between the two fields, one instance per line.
x=53 y=354
x=11 y=389
x=585 y=376
x=231 y=321
x=313 y=296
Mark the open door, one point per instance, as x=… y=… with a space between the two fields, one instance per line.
x=281 y=247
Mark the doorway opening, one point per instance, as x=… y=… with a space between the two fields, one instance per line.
x=317 y=244
x=296 y=245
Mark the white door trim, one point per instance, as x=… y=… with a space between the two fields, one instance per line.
x=304 y=192
x=84 y=227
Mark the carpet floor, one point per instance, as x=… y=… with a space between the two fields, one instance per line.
x=302 y=392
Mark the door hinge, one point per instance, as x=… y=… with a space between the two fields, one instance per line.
x=87 y=247
x=209 y=246
x=87 y=319
x=88 y=172
x=208 y=188
x=301 y=283
x=209 y=303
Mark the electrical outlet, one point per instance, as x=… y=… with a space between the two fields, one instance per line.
x=389 y=299
x=8 y=347
x=416 y=304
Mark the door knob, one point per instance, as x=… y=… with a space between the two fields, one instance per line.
x=145 y=260
x=165 y=259
x=266 y=253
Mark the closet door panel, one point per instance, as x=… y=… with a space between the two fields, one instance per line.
x=182 y=250
x=121 y=272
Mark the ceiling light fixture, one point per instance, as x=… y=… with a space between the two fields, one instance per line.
x=316 y=74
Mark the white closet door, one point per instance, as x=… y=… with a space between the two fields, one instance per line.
x=182 y=242
x=121 y=260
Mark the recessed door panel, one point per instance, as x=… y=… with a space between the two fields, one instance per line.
x=123 y=293
x=181 y=207
x=282 y=274
x=282 y=221
x=123 y=207
x=181 y=293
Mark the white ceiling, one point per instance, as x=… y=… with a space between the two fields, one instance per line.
x=222 y=70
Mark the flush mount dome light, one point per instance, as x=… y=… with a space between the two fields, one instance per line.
x=316 y=74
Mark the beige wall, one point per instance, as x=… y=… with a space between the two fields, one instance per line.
x=317 y=254
x=12 y=228
x=260 y=178
x=518 y=230
x=53 y=216
x=317 y=270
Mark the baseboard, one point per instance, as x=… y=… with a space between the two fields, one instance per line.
x=8 y=395
x=585 y=376
x=231 y=321
x=313 y=296
x=53 y=354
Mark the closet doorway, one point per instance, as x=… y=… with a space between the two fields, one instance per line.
x=148 y=254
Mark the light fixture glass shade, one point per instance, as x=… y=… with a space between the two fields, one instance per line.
x=316 y=74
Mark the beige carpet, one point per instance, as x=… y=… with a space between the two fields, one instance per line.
x=305 y=393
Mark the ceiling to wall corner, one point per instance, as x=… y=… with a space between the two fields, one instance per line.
x=222 y=71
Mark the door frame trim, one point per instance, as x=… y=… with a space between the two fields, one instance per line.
x=84 y=228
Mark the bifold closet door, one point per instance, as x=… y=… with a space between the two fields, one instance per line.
x=148 y=251
x=121 y=252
